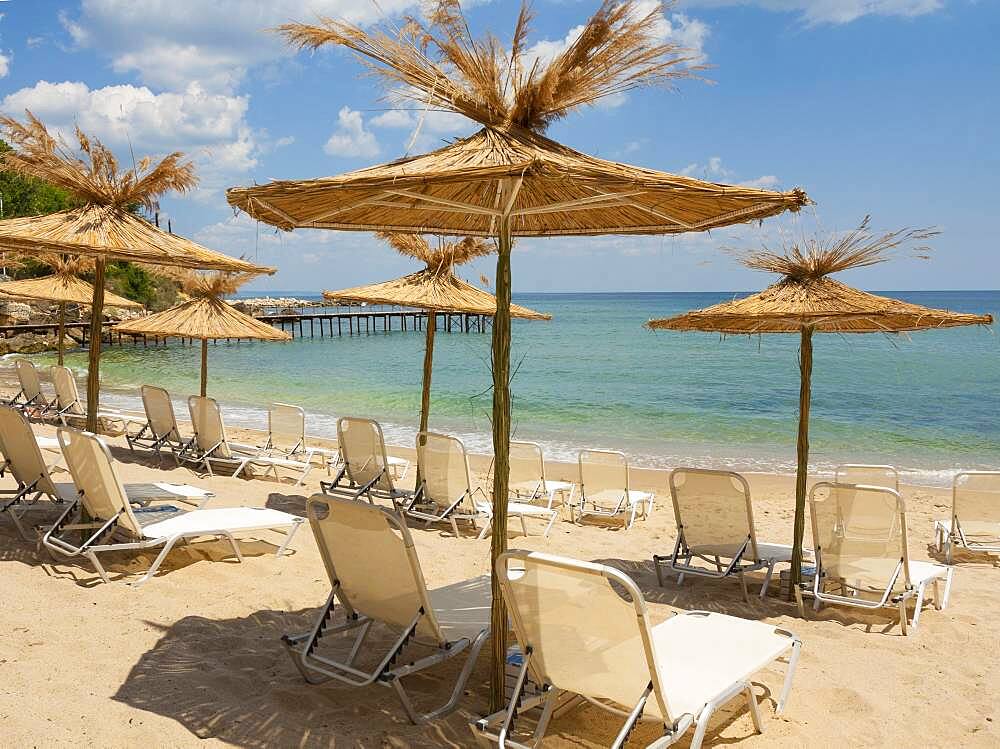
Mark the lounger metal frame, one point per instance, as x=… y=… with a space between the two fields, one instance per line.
x=889 y=598
x=317 y=669
x=370 y=490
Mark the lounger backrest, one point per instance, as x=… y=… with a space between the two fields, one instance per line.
x=859 y=534
x=444 y=468
x=976 y=501
x=91 y=466
x=159 y=411
x=19 y=446
x=369 y=551
x=603 y=475
x=362 y=448
x=527 y=466
x=867 y=475
x=587 y=627
x=67 y=395
x=714 y=511
x=27 y=377
x=286 y=427
x=209 y=429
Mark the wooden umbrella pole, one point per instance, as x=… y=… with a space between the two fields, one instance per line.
x=60 y=347
x=94 y=360
x=204 y=367
x=802 y=473
x=425 y=396
x=501 y=460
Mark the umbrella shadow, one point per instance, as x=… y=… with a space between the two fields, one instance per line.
x=232 y=680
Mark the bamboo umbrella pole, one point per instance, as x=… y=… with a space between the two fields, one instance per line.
x=94 y=363
x=61 y=333
x=425 y=395
x=802 y=474
x=204 y=367
x=501 y=459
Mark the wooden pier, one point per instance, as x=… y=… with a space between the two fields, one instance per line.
x=313 y=325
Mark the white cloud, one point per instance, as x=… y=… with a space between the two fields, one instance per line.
x=815 y=12
x=4 y=65
x=210 y=127
x=715 y=171
x=351 y=139
x=169 y=43
x=427 y=128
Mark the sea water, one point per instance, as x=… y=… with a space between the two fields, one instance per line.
x=593 y=376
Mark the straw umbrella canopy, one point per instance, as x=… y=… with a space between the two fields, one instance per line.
x=508 y=179
x=436 y=288
x=104 y=226
x=807 y=301
x=63 y=287
x=205 y=317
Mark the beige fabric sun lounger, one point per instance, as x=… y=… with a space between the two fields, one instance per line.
x=69 y=406
x=715 y=529
x=446 y=493
x=211 y=446
x=604 y=488
x=677 y=673
x=286 y=436
x=30 y=397
x=365 y=471
x=376 y=577
x=862 y=474
x=975 y=515
x=115 y=525
x=527 y=476
x=861 y=552
x=160 y=429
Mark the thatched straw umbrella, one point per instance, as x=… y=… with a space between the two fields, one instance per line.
x=436 y=288
x=105 y=225
x=508 y=179
x=205 y=317
x=63 y=287
x=807 y=301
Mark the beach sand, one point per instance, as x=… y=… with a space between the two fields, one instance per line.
x=193 y=657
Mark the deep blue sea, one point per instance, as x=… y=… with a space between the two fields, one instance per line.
x=594 y=376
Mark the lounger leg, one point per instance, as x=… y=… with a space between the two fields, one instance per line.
x=948 y=550
x=754 y=708
x=902 y=615
x=622 y=738
x=767 y=579
x=743 y=585
x=701 y=725
x=236 y=548
x=156 y=562
x=786 y=689
x=524 y=526
x=288 y=539
x=548 y=527
x=97 y=566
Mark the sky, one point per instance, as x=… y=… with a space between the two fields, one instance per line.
x=881 y=107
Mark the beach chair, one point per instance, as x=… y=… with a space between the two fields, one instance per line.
x=862 y=560
x=716 y=537
x=365 y=471
x=975 y=515
x=160 y=429
x=102 y=519
x=30 y=397
x=211 y=446
x=676 y=673
x=68 y=406
x=446 y=493
x=861 y=474
x=34 y=477
x=376 y=577
x=604 y=488
x=527 y=476
x=286 y=436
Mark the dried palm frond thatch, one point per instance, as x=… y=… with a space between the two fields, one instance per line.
x=443 y=257
x=618 y=49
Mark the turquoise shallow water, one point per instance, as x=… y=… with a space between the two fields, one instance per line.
x=593 y=376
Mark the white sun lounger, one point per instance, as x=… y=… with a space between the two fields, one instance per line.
x=365 y=471
x=715 y=529
x=376 y=577
x=584 y=630
x=30 y=397
x=604 y=488
x=863 y=474
x=115 y=525
x=975 y=515
x=446 y=494
x=861 y=552
x=69 y=406
x=210 y=445
x=527 y=476
x=160 y=429
x=286 y=436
